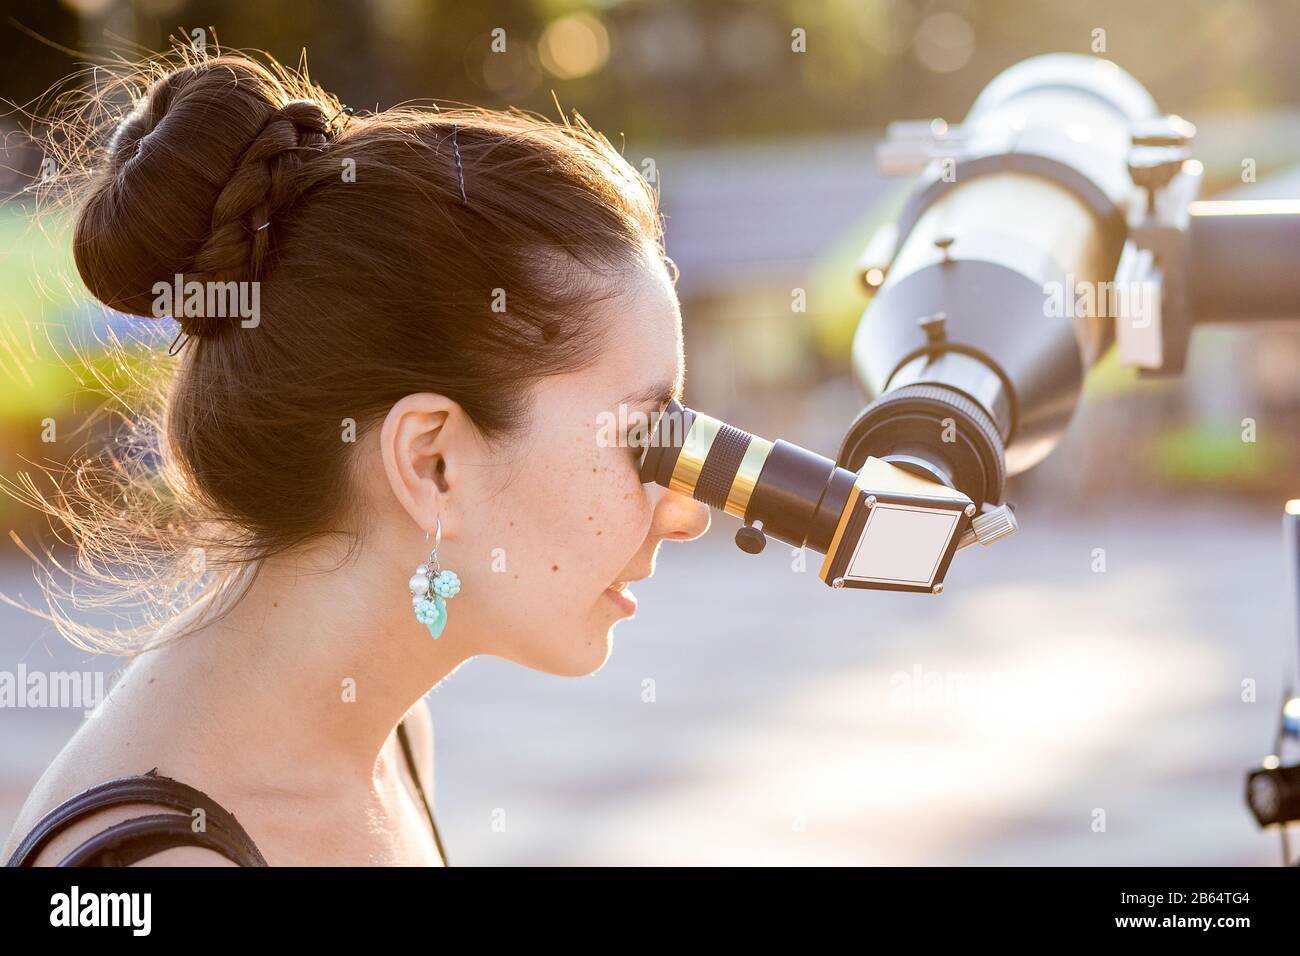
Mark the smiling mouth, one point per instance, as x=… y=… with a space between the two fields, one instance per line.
x=625 y=599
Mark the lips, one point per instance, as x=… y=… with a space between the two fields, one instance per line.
x=618 y=592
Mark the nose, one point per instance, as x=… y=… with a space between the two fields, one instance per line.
x=677 y=517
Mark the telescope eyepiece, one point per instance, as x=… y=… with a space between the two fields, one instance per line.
x=888 y=526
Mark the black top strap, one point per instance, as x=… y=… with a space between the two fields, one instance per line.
x=419 y=788
x=132 y=840
x=221 y=832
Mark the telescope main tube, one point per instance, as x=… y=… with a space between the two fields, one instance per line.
x=971 y=349
x=1242 y=260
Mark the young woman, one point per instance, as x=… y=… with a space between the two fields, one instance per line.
x=448 y=308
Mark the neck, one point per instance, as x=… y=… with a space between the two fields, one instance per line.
x=315 y=659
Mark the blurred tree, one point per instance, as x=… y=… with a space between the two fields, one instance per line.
x=692 y=69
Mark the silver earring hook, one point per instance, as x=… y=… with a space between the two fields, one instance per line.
x=434 y=566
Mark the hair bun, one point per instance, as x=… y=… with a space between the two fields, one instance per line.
x=193 y=177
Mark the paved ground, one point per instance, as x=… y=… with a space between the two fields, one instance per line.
x=792 y=724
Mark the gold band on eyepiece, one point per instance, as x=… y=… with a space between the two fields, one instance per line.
x=742 y=486
x=695 y=448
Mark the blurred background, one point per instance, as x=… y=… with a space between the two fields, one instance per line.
x=749 y=714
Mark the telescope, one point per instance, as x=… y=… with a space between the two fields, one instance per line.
x=1057 y=219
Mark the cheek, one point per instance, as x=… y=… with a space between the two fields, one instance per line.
x=619 y=511
x=575 y=518
x=611 y=511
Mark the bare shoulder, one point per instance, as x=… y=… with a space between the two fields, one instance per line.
x=186 y=856
x=419 y=729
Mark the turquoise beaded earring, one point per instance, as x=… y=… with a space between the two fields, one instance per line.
x=431 y=588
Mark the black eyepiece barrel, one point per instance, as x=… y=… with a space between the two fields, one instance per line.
x=793 y=494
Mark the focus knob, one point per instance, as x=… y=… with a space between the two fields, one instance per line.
x=750 y=539
x=994 y=524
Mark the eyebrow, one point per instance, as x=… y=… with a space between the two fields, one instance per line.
x=660 y=394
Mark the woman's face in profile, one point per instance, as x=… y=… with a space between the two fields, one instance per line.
x=574 y=518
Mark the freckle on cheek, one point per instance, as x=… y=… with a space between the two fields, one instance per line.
x=555 y=567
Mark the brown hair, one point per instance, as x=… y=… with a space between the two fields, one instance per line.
x=377 y=278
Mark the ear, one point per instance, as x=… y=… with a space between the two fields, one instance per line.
x=418 y=444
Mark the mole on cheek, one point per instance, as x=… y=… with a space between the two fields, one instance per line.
x=555 y=567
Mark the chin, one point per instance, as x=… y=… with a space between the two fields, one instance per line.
x=569 y=654
x=590 y=655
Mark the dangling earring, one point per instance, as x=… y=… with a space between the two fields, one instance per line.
x=431 y=587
